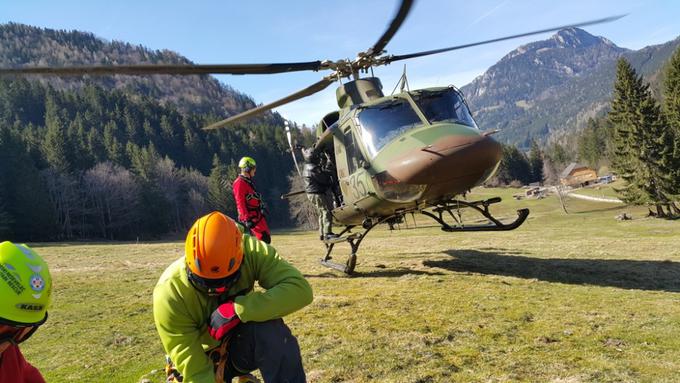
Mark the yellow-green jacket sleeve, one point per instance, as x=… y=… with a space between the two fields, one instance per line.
x=286 y=290
x=179 y=316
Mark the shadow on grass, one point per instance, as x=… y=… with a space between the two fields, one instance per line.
x=611 y=208
x=380 y=273
x=392 y=273
x=627 y=274
x=105 y=243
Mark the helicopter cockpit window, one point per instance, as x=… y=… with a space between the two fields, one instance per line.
x=384 y=122
x=444 y=106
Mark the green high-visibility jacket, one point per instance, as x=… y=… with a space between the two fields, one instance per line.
x=182 y=313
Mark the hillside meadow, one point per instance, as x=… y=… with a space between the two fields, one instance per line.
x=565 y=298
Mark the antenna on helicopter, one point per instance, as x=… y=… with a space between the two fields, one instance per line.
x=292 y=148
x=402 y=83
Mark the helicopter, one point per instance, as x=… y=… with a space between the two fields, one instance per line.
x=410 y=152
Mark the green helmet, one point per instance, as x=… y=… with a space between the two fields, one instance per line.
x=25 y=285
x=247 y=162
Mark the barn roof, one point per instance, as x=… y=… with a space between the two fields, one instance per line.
x=572 y=166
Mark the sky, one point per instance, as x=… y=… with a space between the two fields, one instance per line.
x=261 y=31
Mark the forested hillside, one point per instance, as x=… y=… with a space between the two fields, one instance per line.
x=96 y=163
x=27 y=45
x=121 y=157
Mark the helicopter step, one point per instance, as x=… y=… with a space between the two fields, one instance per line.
x=453 y=208
x=347 y=268
x=354 y=241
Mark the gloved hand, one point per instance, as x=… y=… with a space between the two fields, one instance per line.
x=250 y=224
x=223 y=320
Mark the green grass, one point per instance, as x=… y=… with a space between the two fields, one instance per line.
x=565 y=298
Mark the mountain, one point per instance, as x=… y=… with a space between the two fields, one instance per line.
x=27 y=45
x=547 y=89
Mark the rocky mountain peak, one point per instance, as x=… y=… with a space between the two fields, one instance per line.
x=577 y=38
x=533 y=70
x=551 y=87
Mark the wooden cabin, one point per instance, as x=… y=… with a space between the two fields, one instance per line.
x=578 y=175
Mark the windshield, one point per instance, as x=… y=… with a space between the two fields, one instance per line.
x=444 y=105
x=383 y=122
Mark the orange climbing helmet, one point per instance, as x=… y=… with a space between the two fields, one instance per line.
x=213 y=253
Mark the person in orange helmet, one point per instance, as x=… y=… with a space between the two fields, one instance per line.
x=206 y=310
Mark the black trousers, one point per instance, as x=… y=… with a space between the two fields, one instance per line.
x=267 y=346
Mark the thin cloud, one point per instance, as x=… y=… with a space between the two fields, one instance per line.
x=493 y=10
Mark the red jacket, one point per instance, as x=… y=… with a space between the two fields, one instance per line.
x=249 y=205
x=14 y=368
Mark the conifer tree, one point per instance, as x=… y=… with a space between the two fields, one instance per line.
x=220 y=192
x=536 y=162
x=641 y=141
x=96 y=147
x=593 y=142
x=57 y=147
x=24 y=195
x=143 y=161
x=5 y=219
x=79 y=140
x=114 y=149
x=133 y=127
x=672 y=91
x=672 y=112
x=624 y=104
x=157 y=215
x=558 y=155
x=514 y=166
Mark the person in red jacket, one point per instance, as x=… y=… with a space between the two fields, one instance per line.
x=251 y=210
x=26 y=290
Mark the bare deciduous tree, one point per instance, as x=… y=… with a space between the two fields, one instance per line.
x=301 y=210
x=169 y=181
x=197 y=196
x=113 y=195
x=63 y=192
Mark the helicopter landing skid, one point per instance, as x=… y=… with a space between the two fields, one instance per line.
x=453 y=207
x=354 y=240
x=348 y=238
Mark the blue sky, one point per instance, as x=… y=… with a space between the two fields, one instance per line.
x=256 y=31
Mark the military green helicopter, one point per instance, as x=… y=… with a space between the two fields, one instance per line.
x=410 y=152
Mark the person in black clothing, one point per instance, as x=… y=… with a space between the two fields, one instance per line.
x=328 y=166
x=318 y=182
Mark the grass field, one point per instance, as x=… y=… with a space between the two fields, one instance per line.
x=565 y=298
x=602 y=191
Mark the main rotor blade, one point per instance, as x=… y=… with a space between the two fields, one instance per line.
x=314 y=88
x=170 y=69
x=390 y=59
x=398 y=19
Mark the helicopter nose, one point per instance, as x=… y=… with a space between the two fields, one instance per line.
x=456 y=158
